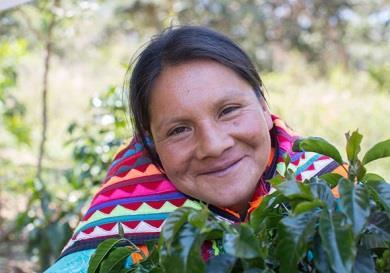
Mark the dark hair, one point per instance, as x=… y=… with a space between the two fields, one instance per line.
x=174 y=46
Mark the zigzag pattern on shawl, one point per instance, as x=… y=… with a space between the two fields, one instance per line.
x=136 y=194
x=304 y=164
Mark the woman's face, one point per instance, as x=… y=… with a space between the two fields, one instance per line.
x=211 y=132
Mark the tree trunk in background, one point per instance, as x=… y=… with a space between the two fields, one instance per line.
x=44 y=105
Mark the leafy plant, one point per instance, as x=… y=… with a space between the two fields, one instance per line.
x=12 y=111
x=300 y=227
x=378 y=74
x=49 y=212
x=95 y=142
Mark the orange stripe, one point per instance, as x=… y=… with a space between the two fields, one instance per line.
x=341 y=171
x=271 y=157
x=232 y=212
x=255 y=204
x=134 y=173
x=138 y=257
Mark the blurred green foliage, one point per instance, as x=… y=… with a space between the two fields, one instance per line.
x=380 y=74
x=297 y=45
x=12 y=111
x=50 y=213
x=95 y=142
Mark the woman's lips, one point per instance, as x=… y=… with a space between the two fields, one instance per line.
x=223 y=169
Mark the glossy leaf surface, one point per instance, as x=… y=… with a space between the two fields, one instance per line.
x=318 y=145
x=337 y=241
x=101 y=252
x=379 y=150
x=295 y=233
x=353 y=145
x=115 y=260
x=242 y=244
x=355 y=204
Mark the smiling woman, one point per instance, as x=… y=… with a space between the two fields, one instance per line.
x=204 y=133
x=214 y=144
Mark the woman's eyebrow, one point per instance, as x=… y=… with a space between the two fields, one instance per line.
x=230 y=97
x=167 y=122
x=230 y=94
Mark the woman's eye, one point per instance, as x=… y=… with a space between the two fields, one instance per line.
x=228 y=110
x=178 y=131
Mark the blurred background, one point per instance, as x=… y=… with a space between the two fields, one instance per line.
x=63 y=112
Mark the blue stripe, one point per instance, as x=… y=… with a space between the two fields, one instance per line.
x=295 y=156
x=140 y=161
x=126 y=218
x=155 y=197
x=307 y=164
x=138 y=147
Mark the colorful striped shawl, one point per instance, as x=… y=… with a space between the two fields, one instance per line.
x=136 y=194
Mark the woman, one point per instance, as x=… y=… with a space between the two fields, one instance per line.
x=204 y=133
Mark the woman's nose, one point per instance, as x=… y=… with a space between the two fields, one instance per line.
x=212 y=142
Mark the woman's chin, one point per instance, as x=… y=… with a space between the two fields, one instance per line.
x=238 y=204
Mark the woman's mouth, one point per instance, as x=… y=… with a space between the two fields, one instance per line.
x=222 y=169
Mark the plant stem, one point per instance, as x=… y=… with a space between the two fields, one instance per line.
x=41 y=153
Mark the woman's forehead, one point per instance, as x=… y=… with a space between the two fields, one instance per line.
x=200 y=76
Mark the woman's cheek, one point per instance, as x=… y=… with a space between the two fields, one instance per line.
x=173 y=159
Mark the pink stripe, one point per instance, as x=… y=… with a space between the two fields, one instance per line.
x=139 y=190
x=286 y=146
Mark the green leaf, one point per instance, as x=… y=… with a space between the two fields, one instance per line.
x=320 y=190
x=127 y=270
x=379 y=225
x=242 y=244
x=253 y=265
x=361 y=171
x=364 y=262
x=355 y=204
x=372 y=177
x=374 y=241
x=257 y=270
x=223 y=263
x=307 y=206
x=337 y=241
x=115 y=260
x=174 y=223
x=317 y=145
x=121 y=231
x=332 y=179
x=353 y=145
x=382 y=191
x=101 y=252
x=293 y=189
x=198 y=218
x=295 y=233
x=276 y=180
x=287 y=160
x=184 y=253
x=320 y=258
x=268 y=210
x=379 y=150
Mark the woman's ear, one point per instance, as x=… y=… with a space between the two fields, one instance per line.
x=267 y=113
